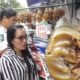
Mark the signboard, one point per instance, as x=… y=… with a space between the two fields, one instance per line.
x=41 y=31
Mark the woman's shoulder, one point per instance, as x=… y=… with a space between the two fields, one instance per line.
x=8 y=54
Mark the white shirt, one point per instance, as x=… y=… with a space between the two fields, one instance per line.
x=3 y=38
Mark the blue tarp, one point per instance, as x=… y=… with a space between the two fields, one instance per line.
x=41 y=45
x=32 y=2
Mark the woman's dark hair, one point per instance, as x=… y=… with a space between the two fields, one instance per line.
x=11 y=34
x=8 y=12
x=1 y=13
x=25 y=53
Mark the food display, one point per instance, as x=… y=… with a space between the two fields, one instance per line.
x=63 y=54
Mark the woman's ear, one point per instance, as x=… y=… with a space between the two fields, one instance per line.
x=4 y=17
x=12 y=41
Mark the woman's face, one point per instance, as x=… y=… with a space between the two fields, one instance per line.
x=9 y=21
x=20 y=40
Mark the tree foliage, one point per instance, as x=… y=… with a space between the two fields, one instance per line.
x=10 y=3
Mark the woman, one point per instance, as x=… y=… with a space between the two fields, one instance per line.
x=17 y=63
x=7 y=18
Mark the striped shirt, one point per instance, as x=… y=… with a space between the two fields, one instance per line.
x=14 y=67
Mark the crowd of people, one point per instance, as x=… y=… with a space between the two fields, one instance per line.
x=19 y=57
x=16 y=61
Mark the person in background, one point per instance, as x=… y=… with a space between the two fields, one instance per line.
x=7 y=18
x=18 y=59
x=39 y=16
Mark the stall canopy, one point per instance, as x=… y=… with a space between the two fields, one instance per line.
x=34 y=2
